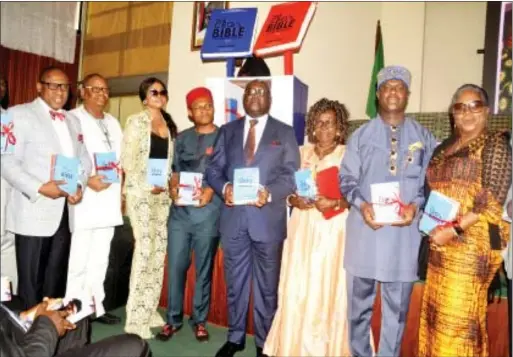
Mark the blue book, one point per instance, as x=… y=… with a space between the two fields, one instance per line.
x=439 y=209
x=107 y=165
x=230 y=33
x=231 y=113
x=246 y=183
x=8 y=139
x=157 y=172
x=189 y=187
x=66 y=169
x=305 y=183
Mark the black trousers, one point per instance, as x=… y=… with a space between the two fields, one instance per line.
x=74 y=344
x=43 y=264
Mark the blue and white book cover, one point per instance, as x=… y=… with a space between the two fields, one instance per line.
x=107 y=165
x=305 y=183
x=66 y=169
x=8 y=140
x=438 y=210
x=157 y=172
x=246 y=183
x=230 y=33
x=189 y=187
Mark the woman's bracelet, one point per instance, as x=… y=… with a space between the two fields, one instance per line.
x=288 y=199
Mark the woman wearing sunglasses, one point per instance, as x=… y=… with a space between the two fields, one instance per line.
x=148 y=138
x=472 y=167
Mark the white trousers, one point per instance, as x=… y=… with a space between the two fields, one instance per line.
x=8 y=249
x=8 y=260
x=88 y=262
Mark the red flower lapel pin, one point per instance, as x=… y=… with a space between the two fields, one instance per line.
x=209 y=150
x=80 y=138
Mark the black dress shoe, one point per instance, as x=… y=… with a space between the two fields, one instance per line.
x=229 y=349
x=260 y=352
x=108 y=319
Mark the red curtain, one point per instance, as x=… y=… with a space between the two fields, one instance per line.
x=21 y=70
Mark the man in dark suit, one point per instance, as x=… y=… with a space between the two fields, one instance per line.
x=252 y=235
x=52 y=335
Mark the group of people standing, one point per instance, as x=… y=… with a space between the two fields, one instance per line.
x=313 y=280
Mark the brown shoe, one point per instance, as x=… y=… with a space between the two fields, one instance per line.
x=167 y=332
x=201 y=333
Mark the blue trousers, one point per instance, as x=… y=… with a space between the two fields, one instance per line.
x=251 y=265
x=184 y=238
x=395 y=301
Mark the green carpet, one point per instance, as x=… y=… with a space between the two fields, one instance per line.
x=182 y=344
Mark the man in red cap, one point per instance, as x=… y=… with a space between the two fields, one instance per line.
x=192 y=227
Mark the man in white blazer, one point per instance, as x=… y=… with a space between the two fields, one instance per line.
x=94 y=219
x=40 y=222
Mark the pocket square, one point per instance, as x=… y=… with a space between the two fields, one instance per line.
x=275 y=143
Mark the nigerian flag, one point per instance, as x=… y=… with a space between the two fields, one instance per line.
x=379 y=63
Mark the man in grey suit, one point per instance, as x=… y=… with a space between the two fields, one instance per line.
x=42 y=129
x=252 y=235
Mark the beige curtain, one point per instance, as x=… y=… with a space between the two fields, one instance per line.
x=42 y=28
x=127 y=38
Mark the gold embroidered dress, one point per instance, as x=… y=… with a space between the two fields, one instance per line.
x=453 y=316
x=148 y=215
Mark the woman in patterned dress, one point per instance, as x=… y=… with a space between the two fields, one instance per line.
x=311 y=316
x=148 y=134
x=472 y=167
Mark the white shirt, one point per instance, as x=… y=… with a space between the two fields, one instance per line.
x=259 y=129
x=61 y=128
x=98 y=209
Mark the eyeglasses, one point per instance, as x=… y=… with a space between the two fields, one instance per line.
x=156 y=93
x=257 y=92
x=98 y=90
x=475 y=106
x=55 y=86
x=325 y=124
x=203 y=107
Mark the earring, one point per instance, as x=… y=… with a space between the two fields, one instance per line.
x=313 y=133
x=145 y=102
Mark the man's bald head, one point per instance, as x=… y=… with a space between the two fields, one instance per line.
x=49 y=71
x=90 y=77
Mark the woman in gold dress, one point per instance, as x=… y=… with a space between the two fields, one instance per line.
x=471 y=167
x=311 y=316
x=148 y=134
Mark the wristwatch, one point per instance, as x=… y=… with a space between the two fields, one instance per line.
x=457 y=228
x=288 y=199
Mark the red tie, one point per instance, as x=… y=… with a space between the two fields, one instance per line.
x=249 y=149
x=57 y=115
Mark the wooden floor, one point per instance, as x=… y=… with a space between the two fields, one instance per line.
x=497 y=312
